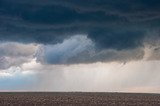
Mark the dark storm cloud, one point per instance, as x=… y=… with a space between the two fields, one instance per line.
x=111 y=24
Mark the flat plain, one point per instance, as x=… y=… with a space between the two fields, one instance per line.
x=77 y=99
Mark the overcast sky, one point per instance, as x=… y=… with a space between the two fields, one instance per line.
x=71 y=45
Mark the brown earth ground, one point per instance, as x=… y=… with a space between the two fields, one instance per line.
x=78 y=99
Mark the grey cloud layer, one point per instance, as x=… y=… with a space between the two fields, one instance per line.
x=15 y=54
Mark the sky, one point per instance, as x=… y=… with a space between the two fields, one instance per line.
x=80 y=45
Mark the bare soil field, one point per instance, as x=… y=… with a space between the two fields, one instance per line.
x=77 y=99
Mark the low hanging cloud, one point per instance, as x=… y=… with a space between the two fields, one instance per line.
x=76 y=49
x=63 y=53
x=81 y=49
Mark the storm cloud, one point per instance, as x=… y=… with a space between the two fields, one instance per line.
x=110 y=24
x=113 y=27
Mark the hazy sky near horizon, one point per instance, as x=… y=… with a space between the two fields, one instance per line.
x=98 y=45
